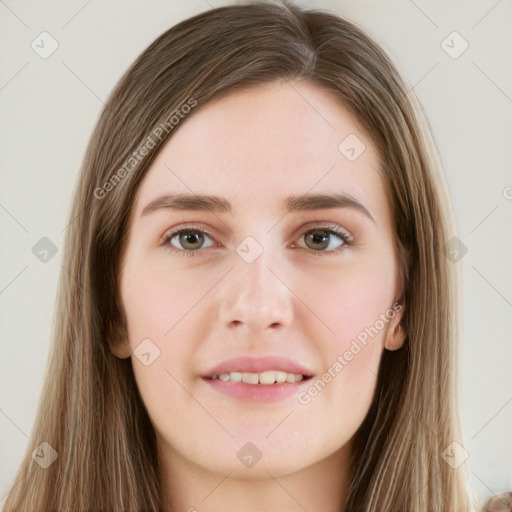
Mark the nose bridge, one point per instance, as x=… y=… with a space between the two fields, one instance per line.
x=255 y=296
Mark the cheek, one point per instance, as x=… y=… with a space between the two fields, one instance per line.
x=352 y=305
x=156 y=306
x=167 y=318
x=158 y=300
x=354 y=298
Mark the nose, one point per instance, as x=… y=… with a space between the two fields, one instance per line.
x=255 y=296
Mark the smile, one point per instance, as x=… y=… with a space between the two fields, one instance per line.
x=266 y=377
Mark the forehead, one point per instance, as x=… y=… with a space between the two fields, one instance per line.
x=259 y=145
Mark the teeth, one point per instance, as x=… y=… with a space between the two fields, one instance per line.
x=280 y=376
x=235 y=376
x=267 y=377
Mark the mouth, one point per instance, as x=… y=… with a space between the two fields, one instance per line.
x=265 y=378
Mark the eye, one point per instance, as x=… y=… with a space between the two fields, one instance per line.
x=328 y=239
x=189 y=241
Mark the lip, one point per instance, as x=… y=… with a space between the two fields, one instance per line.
x=258 y=365
x=257 y=393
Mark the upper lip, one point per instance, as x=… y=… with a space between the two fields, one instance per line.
x=259 y=364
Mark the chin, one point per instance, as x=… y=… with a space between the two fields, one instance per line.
x=261 y=470
x=256 y=459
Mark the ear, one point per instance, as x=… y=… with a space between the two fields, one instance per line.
x=119 y=342
x=396 y=333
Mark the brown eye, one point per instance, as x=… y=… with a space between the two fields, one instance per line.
x=191 y=240
x=322 y=239
x=187 y=241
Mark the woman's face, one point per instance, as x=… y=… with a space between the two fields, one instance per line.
x=268 y=282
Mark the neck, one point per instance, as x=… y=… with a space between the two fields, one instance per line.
x=321 y=487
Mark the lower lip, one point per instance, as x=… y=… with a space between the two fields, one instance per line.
x=260 y=393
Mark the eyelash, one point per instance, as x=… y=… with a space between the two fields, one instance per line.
x=327 y=227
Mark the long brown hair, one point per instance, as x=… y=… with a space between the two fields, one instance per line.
x=90 y=411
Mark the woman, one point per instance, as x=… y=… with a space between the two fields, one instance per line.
x=203 y=356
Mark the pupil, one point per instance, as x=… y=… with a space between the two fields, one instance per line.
x=320 y=237
x=195 y=236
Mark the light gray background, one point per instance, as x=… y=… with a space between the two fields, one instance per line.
x=48 y=108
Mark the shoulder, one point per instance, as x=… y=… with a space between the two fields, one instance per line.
x=499 y=503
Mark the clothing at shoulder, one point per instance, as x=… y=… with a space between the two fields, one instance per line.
x=499 y=503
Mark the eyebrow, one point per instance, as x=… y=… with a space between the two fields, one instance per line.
x=216 y=204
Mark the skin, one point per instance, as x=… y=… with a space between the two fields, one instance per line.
x=255 y=148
